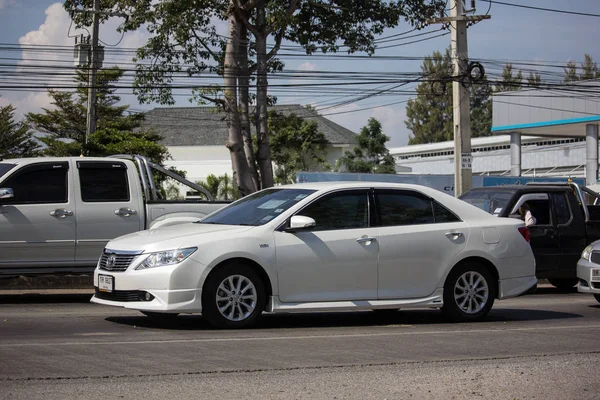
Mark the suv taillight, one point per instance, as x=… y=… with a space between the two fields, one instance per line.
x=524 y=231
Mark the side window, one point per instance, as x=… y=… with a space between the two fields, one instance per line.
x=39 y=184
x=561 y=205
x=540 y=209
x=345 y=210
x=403 y=208
x=103 y=181
x=441 y=214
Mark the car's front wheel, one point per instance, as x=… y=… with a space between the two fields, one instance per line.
x=469 y=292
x=233 y=297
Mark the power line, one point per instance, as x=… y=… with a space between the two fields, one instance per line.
x=544 y=9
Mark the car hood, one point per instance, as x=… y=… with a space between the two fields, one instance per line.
x=173 y=237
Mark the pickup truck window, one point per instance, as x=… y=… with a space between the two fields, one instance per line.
x=561 y=206
x=490 y=201
x=4 y=168
x=103 y=182
x=540 y=209
x=258 y=208
x=44 y=183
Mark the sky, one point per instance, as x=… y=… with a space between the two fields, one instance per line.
x=512 y=34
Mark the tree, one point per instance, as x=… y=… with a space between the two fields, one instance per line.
x=430 y=115
x=64 y=126
x=221 y=187
x=16 y=140
x=589 y=70
x=509 y=82
x=185 y=40
x=534 y=80
x=370 y=154
x=296 y=145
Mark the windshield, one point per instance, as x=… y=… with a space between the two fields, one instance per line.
x=258 y=208
x=4 y=168
x=490 y=201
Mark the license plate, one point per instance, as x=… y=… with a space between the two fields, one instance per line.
x=596 y=274
x=106 y=283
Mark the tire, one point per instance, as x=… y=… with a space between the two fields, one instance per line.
x=232 y=310
x=563 y=284
x=160 y=316
x=459 y=305
x=597 y=297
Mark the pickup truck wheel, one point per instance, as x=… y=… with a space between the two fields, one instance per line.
x=160 y=316
x=597 y=297
x=469 y=293
x=233 y=297
x=563 y=284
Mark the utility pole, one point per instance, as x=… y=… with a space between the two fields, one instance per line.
x=92 y=72
x=463 y=159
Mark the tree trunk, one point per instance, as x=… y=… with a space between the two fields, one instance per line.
x=241 y=173
x=244 y=99
x=262 y=130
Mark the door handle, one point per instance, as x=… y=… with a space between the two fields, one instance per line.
x=61 y=213
x=366 y=240
x=125 y=212
x=454 y=235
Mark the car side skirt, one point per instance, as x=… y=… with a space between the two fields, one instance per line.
x=435 y=300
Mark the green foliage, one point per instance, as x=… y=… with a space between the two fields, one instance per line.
x=221 y=187
x=296 y=145
x=589 y=70
x=430 y=115
x=16 y=140
x=64 y=126
x=509 y=82
x=370 y=154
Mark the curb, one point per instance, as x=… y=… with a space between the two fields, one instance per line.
x=48 y=282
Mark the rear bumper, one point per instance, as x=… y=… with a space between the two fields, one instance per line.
x=514 y=287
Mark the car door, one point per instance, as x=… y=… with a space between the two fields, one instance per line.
x=571 y=232
x=337 y=259
x=37 y=225
x=106 y=206
x=418 y=240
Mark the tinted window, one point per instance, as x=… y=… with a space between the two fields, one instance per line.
x=39 y=184
x=491 y=201
x=4 y=168
x=404 y=208
x=103 y=182
x=561 y=205
x=258 y=208
x=540 y=209
x=345 y=210
x=441 y=214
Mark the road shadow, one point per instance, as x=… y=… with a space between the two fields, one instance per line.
x=344 y=319
x=37 y=298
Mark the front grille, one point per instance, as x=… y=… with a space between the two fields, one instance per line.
x=595 y=258
x=115 y=262
x=119 y=295
x=596 y=285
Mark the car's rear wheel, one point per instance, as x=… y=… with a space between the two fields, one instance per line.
x=233 y=297
x=469 y=292
x=563 y=284
x=597 y=297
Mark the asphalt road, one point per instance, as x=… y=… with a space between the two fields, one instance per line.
x=543 y=346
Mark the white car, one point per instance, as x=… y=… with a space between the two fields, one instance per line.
x=588 y=270
x=322 y=247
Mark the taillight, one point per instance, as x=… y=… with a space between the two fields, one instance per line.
x=524 y=231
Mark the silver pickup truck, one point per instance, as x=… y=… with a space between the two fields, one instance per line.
x=56 y=214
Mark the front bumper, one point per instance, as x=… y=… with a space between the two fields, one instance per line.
x=175 y=288
x=587 y=283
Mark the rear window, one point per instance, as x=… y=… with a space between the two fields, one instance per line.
x=491 y=201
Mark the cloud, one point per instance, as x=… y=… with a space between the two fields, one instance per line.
x=55 y=32
x=307 y=66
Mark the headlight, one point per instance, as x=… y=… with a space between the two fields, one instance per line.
x=587 y=252
x=164 y=258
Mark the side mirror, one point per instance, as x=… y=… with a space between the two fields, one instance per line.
x=301 y=223
x=6 y=193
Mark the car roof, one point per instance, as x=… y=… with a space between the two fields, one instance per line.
x=332 y=185
x=523 y=188
x=32 y=160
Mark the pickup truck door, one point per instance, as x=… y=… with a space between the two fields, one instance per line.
x=109 y=204
x=571 y=229
x=37 y=225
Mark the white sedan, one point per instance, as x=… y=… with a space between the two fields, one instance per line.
x=322 y=247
